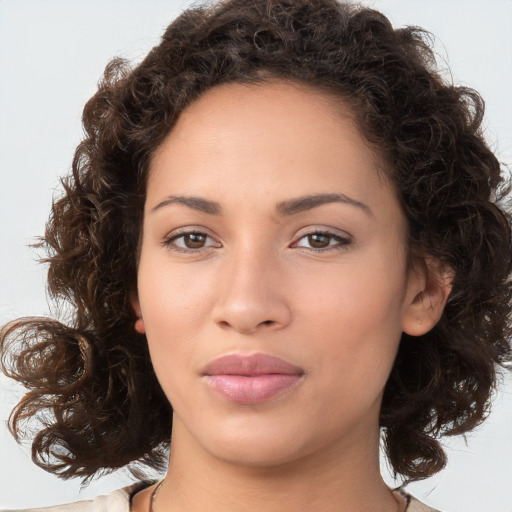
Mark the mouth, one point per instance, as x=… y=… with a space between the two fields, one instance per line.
x=251 y=379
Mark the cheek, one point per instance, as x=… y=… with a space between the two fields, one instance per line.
x=355 y=318
x=175 y=303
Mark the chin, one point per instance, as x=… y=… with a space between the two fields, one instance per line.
x=259 y=455
x=258 y=445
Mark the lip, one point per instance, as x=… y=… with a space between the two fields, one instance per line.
x=251 y=379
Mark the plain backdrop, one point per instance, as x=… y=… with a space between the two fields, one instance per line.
x=52 y=53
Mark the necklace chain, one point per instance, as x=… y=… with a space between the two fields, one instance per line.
x=157 y=488
x=153 y=496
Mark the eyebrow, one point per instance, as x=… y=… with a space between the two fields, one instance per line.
x=300 y=204
x=284 y=208
x=196 y=203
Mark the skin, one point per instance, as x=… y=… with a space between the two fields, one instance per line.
x=255 y=282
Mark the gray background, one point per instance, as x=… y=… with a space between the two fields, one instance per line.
x=51 y=55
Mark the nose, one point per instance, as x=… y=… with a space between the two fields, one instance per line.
x=252 y=295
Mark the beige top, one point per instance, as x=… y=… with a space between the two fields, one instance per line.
x=119 y=501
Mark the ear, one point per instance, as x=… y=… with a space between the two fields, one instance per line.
x=139 y=322
x=428 y=288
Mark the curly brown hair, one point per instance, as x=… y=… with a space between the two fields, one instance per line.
x=90 y=380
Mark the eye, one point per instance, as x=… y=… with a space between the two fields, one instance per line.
x=190 y=241
x=323 y=240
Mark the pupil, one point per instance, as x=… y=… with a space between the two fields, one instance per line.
x=194 y=241
x=318 y=241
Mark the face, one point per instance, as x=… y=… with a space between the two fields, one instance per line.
x=273 y=283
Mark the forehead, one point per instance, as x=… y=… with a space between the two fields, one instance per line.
x=266 y=139
x=273 y=92
x=293 y=110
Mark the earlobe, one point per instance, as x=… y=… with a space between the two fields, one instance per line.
x=429 y=285
x=139 y=326
x=139 y=322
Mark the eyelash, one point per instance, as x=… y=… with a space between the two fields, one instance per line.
x=168 y=242
x=342 y=242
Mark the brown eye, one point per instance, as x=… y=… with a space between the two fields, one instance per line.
x=318 y=240
x=323 y=241
x=190 y=241
x=194 y=240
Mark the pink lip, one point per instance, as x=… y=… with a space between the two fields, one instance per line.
x=251 y=379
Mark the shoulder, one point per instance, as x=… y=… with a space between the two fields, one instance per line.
x=119 y=501
x=414 y=505
x=116 y=501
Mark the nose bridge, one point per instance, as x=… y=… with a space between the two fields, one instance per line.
x=250 y=275
x=252 y=295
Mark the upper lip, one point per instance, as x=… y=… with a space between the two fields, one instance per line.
x=250 y=365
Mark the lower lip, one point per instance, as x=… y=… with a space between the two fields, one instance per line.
x=252 y=389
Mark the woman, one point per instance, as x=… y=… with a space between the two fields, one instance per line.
x=287 y=215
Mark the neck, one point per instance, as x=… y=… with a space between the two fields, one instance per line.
x=337 y=479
